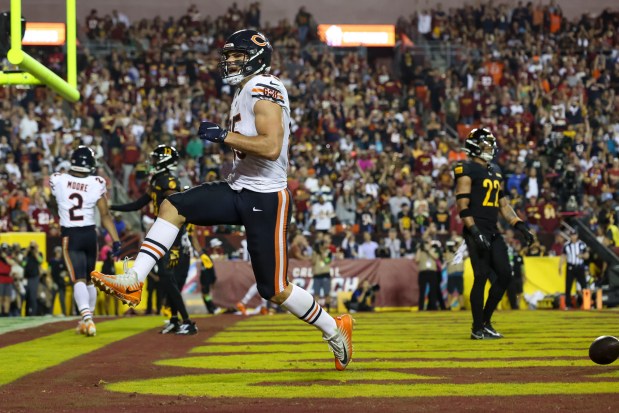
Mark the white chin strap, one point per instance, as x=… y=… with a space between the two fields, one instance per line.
x=486 y=156
x=234 y=79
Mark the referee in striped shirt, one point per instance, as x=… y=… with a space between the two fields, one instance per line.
x=574 y=253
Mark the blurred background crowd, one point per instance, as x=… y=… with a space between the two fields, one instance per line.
x=375 y=134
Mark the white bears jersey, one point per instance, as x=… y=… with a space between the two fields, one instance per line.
x=77 y=198
x=252 y=172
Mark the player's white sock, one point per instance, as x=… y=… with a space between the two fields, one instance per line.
x=253 y=290
x=80 y=292
x=302 y=304
x=92 y=297
x=158 y=241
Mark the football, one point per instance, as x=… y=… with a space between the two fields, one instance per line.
x=604 y=350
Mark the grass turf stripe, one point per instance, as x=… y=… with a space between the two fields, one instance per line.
x=249 y=385
x=21 y=359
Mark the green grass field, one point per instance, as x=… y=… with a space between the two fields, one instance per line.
x=401 y=354
x=396 y=355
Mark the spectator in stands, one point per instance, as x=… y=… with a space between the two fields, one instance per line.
x=299 y=248
x=349 y=246
x=397 y=201
x=405 y=218
x=368 y=248
x=393 y=244
x=303 y=20
x=322 y=214
x=345 y=207
x=130 y=156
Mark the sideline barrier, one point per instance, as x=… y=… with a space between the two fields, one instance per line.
x=397 y=279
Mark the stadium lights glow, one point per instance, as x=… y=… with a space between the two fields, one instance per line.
x=44 y=34
x=353 y=35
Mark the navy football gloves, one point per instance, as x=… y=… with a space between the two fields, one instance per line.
x=212 y=132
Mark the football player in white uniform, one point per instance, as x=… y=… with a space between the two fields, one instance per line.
x=76 y=194
x=255 y=194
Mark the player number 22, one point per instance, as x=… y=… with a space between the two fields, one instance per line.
x=491 y=185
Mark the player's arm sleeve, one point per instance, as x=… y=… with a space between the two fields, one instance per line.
x=268 y=88
x=460 y=169
x=133 y=206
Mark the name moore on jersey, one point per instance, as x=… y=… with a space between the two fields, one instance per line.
x=77 y=198
x=252 y=172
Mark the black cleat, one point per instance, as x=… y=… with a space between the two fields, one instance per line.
x=187 y=329
x=477 y=334
x=491 y=332
x=172 y=327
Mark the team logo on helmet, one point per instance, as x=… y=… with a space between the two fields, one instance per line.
x=259 y=40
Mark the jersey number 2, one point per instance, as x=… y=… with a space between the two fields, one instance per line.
x=79 y=202
x=491 y=186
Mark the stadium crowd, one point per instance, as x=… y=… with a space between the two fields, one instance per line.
x=373 y=145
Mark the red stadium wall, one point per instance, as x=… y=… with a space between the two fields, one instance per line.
x=397 y=279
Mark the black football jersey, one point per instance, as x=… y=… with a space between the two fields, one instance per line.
x=486 y=190
x=159 y=185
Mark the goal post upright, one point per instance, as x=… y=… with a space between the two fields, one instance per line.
x=35 y=72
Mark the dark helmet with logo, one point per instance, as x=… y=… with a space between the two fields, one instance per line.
x=481 y=143
x=257 y=50
x=162 y=158
x=83 y=160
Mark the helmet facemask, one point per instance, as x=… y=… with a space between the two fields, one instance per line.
x=235 y=71
x=157 y=165
x=163 y=158
x=488 y=148
x=481 y=144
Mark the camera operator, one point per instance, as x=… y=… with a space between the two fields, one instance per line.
x=455 y=274
x=427 y=262
x=6 y=281
x=363 y=297
x=32 y=271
